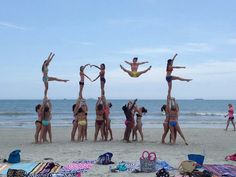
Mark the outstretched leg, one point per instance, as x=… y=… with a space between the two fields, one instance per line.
x=56 y=79
x=127 y=71
x=142 y=72
x=180 y=78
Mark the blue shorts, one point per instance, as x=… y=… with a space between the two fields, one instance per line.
x=168 y=78
x=45 y=78
x=172 y=123
x=45 y=122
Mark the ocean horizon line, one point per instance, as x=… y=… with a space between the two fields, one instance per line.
x=144 y=99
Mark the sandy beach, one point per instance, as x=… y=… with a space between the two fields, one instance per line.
x=215 y=143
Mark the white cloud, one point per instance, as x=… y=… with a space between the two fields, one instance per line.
x=10 y=25
x=188 y=47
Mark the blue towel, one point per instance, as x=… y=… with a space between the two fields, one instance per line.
x=163 y=164
x=28 y=167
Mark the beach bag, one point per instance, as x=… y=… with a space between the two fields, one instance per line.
x=148 y=162
x=14 y=157
x=105 y=159
x=187 y=166
x=16 y=173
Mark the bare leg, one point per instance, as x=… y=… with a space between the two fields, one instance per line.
x=46 y=89
x=140 y=131
x=42 y=133
x=56 y=79
x=127 y=71
x=96 y=132
x=180 y=133
x=81 y=90
x=102 y=88
x=169 y=88
x=50 y=132
x=79 y=132
x=86 y=128
x=36 y=136
x=227 y=125
x=166 y=130
x=142 y=72
x=233 y=124
x=74 y=128
x=134 y=133
x=109 y=129
x=172 y=131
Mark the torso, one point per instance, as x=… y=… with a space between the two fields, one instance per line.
x=81 y=76
x=231 y=112
x=134 y=67
x=169 y=70
x=99 y=115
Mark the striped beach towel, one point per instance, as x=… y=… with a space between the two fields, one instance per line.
x=46 y=168
x=220 y=170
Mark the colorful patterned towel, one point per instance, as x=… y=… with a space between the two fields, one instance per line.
x=23 y=166
x=131 y=166
x=46 y=168
x=220 y=170
x=77 y=167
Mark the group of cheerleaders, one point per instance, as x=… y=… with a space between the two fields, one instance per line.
x=102 y=107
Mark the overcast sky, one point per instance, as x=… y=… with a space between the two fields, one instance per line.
x=202 y=32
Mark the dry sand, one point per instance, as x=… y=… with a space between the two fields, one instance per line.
x=215 y=143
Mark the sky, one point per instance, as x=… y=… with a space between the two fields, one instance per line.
x=202 y=32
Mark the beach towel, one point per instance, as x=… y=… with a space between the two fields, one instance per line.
x=46 y=168
x=20 y=166
x=77 y=167
x=219 y=170
x=163 y=164
x=131 y=166
x=3 y=167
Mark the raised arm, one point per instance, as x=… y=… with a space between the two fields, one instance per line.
x=128 y=62
x=174 y=56
x=95 y=66
x=86 y=65
x=132 y=106
x=50 y=57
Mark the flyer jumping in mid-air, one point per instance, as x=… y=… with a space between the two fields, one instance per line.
x=134 y=68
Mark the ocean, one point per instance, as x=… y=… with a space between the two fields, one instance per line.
x=193 y=113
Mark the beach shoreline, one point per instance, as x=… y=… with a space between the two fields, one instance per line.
x=215 y=144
